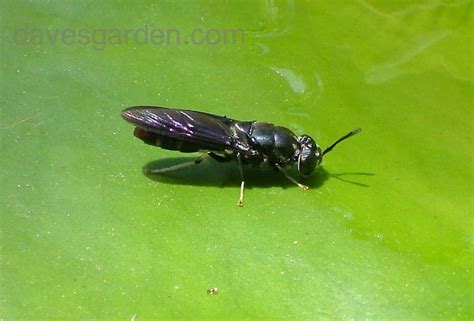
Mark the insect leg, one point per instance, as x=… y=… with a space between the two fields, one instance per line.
x=221 y=158
x=175 y=167
x=291 y=178
x=242 y=183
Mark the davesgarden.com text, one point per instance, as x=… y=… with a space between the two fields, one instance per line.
x=100 y=38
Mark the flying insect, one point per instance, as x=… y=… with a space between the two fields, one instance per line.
x=225 y=139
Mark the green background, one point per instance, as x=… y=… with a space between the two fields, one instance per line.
x=385 y=232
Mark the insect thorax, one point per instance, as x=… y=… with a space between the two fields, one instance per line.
x=278 y=144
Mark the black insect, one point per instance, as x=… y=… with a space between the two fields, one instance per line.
x=225 y=139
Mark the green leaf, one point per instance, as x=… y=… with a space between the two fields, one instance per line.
x=384 y=233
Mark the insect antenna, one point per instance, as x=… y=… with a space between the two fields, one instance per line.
x=352 y=133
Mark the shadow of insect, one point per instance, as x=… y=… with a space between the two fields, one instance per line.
x=212 y=173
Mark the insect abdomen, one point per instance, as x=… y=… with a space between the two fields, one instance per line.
x=165 y=142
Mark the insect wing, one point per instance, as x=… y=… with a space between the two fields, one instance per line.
x=186 y=125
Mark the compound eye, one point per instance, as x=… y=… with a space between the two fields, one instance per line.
x=306 y=141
